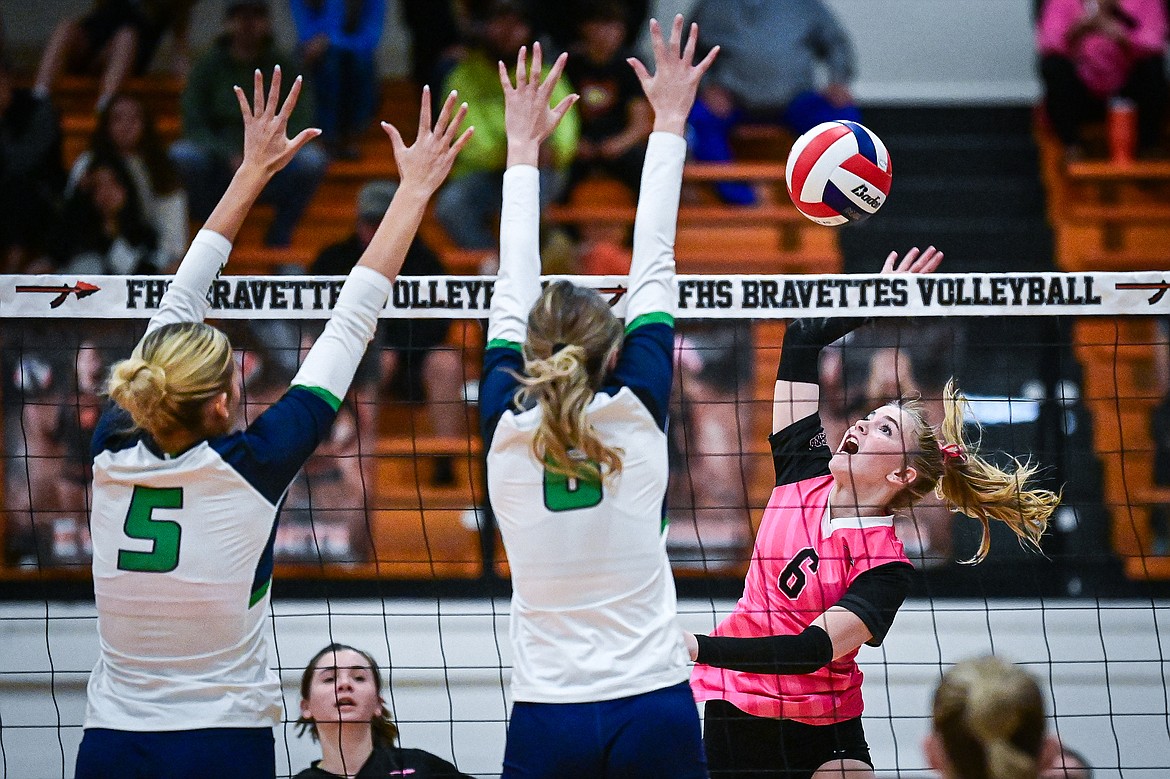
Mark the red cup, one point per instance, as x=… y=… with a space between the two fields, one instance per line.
x=1122 y=130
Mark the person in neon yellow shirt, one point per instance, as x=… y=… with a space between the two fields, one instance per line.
x=469 y=204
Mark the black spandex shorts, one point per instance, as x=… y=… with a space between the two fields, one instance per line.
x=742 y=745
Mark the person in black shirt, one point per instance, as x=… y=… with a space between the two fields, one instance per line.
x=342 y=708
x=413 y=365
x=615 y=117
x=31 y=178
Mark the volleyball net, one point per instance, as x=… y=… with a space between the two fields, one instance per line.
x=386 y=539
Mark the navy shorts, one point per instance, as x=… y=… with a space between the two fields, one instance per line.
x=655 y=734
x=225 y=753
x=742 y=745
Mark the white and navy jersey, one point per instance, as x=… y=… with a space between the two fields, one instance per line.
x=593 y=605
x=182 y=544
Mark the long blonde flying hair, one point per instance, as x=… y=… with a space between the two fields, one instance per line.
x=572 y=335
x=171 y=374
x=989 y=715
x=950 y=465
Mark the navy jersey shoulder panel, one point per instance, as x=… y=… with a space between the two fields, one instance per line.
x=645 y=365
x=800 y=451
x=265 y=565
x=274 y=447
x=114 y=431
x=498 y=387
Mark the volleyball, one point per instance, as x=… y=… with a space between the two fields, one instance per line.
x=838 y=172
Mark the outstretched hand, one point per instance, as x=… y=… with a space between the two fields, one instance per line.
x=528 y=119
x=266 y=143
x=926 y=262
x=426 y=163
x=671 y=90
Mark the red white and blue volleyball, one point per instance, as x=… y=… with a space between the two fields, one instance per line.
x=838 y=172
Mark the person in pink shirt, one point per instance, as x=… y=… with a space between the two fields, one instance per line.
x=1094 y=50
x=828 y=574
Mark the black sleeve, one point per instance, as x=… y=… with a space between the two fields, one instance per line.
x=800 y=451
x=804 y=653
x=876 y=595
x=803 y=341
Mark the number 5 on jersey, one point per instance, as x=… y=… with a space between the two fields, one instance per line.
x=163 y=534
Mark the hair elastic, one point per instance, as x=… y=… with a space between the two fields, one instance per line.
x=953 y=453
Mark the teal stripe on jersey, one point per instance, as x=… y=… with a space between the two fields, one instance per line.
x=653 y=318
x=502 y=343
x=259 y=593
x=325 y=395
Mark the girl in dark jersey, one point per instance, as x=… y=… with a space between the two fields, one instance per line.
x=828 y=574
x=342 y=708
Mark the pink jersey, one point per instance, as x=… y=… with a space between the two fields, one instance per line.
x=802 y=565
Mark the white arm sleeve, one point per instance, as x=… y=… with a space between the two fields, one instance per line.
x=186 y=298
x=333 y=360
x=652 y=268
x=517 y=287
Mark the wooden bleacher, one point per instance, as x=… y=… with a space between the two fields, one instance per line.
x=1116 y=217
x=768 y=237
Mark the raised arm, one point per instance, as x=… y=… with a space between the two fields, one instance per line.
x=797 y=392
x=528 y=122
x=267 y=149
x=671 y=94
x=329 y=367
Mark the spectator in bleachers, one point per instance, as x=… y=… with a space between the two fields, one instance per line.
x=615 y=117
x=119 y=36
x=211 y=147
x=337 y=40
x=766 y=73
x=988 y=721
x=104 y=228
x=470 y=202
x=1094 y=50
x=31 y=177
x=561 y=22
x=436 y=44
x=711 y=409
x=412 y=363
x=342 y=708
x=126 y=130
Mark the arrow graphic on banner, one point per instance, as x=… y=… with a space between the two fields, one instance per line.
x=1159 y=287
x=81 y=289
x=618 y=293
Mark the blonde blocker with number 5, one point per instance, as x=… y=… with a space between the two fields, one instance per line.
x=572 y=340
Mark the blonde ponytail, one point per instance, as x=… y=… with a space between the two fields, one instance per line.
x=950 y=465
x=572 y=335
x=172 y=372
x=990 y=717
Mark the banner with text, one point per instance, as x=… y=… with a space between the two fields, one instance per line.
x=699 y=297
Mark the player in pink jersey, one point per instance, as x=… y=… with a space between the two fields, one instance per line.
x=828 y=574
